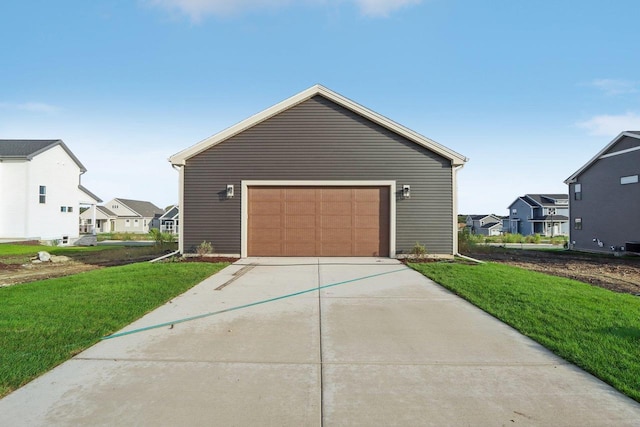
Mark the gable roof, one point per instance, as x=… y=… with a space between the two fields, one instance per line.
x=180 y=158
x=543 y=200
x=142 y=208
x=171 y=213
x=27 y=149
x=629 y=133
x=106 y=211
x=89 y=193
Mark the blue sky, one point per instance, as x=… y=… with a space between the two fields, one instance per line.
x=529 y=91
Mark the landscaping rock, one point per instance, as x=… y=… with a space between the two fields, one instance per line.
x=44 y=256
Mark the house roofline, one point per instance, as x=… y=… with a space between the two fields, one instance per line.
x=55 y=144
x=90 y=194
x=180 y=158
x=597 y=157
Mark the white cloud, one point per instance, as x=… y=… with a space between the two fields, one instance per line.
x=198 y=9
x=611 y=125
x=33 y=107
x=615 y=86
x=383 y=7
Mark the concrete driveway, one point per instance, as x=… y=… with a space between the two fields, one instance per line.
x=384 y=346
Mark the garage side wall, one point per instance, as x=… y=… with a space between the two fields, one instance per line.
x=318 y=140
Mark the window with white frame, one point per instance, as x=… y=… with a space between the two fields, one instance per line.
x=42 y=193
x=127 y=223
x=577 y=191
x=135 y=223
x=631 y=179
x=514 y=211
x=577 y=223
x=63 y=208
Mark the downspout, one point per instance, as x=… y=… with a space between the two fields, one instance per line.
x=180 y=170
x=454 y=176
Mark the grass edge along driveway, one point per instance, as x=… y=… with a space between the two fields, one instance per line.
x=593 y=328
x=44 y=323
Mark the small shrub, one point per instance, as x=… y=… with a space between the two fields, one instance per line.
x=204 y=248
x=418 y=251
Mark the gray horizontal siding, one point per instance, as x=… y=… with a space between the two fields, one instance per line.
x=624 y=144
x=609 y=210
x=318 y=140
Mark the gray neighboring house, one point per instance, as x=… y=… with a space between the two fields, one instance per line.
x=318 y=175
x=605 y=198
x=170 y=220
x=543 y=214
x=123 y=216
x=487 y=225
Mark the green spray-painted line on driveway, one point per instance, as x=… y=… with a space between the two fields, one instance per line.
x=200 y=316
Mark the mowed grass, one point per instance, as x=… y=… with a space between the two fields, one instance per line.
x=45 y=323
x=593 y=328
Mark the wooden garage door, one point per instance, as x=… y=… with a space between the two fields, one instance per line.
x=318 y=221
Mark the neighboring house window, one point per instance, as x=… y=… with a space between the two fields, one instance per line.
x=631 y=179
x=43 y=194
x=577 y=190
x=144 y=223
x=69 y=208
x=552 y=211
x=514 y=211
x=114 y=206
x=127 y=223
x=577 y=223
x=63 y=208
x=135 y=222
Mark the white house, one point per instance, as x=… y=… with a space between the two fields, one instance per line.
x=40 y=191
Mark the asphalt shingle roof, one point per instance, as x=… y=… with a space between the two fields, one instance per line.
x=145 y=209
x=28 y=148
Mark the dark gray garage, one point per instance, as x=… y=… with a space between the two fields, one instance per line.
x=318 y=175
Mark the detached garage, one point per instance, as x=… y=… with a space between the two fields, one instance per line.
x=318 y=175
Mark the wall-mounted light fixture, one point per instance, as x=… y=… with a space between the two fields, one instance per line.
x=406 y=191
x=229 y=191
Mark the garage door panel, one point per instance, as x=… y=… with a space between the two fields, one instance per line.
x=367 y=208
x=300 y=221
x=297 y=248
x=336 y=194
x=336 y=221
x=335 y=208
x=264 y=208
x=300 y=235
x=367 y=194
x=266 y=249
x=318 y=221
x=265 y=194
x=300 y=208
x=335 y=235
x=333 y=249
x=370 y=221
x=266 y=234
x=299 y=195
x=265 y=221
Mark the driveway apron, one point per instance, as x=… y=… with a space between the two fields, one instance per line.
x=312 y=342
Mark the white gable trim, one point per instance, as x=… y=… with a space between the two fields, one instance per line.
x=180 y=158
x=601 y=155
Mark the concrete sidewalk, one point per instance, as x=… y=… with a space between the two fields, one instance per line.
x=390 y=349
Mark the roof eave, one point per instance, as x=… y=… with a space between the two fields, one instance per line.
x=573 y=178
x=180 y=158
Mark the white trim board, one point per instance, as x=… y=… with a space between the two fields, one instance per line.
x=252 y=183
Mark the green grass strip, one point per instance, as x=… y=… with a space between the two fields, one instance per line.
x=593 y=328
x=45 y=323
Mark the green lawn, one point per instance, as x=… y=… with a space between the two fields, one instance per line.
x=44 y=323
x=594 y=328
